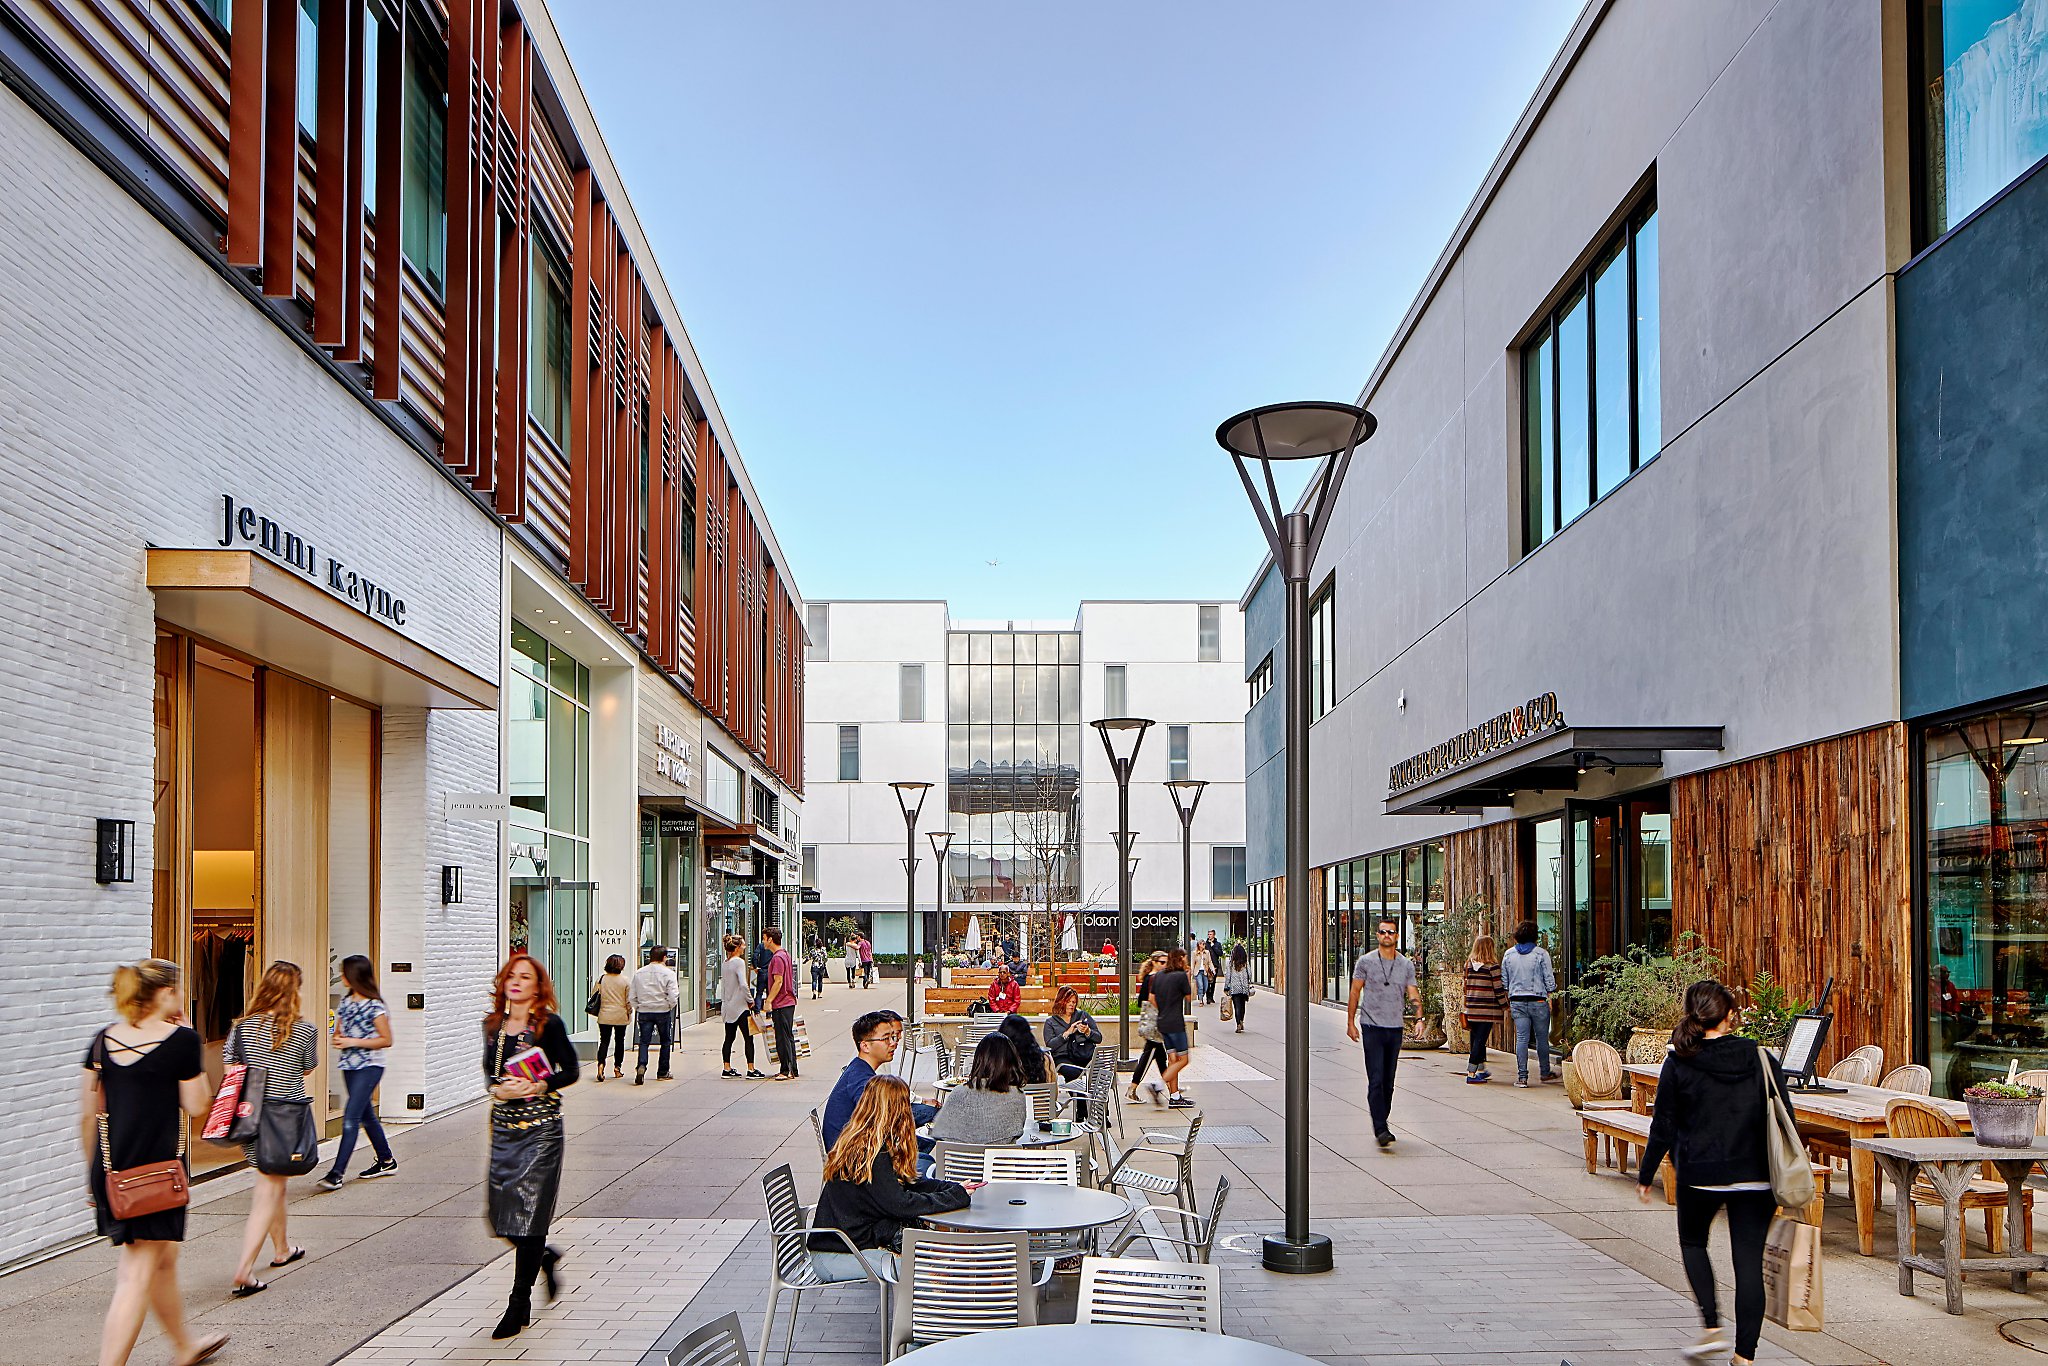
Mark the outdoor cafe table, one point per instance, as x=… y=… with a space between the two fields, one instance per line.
x=1103 y=1342
x=1852 y=1111
x=1950 y=1164
x=1034 y=1207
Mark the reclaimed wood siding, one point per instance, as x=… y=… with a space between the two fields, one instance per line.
x=1800 y=862
x=1486 y=862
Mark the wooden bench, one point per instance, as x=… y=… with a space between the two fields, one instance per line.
x=1625 y=1129
x=956 y=1000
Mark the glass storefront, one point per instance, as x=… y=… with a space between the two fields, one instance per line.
x=1407 y=884
x=1984 y=805
x=668 y=881
x=551 y=909
x=1013 y=769
x=1599 y=878
x=1258 y=931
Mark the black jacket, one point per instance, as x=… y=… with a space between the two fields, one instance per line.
x=1710 y=1115
x=553 y=1041
x=874 y=1212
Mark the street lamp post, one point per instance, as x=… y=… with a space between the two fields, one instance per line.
x=1187 y=795
x=1112 y=729
x=910 y=796
x=1328 y=433
x=942 y=840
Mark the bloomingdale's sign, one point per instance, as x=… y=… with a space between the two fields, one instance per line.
x=244 y=524
x=1533 y=717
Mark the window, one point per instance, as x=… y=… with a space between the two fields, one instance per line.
x=1408 y=885
x=687 y=546
x=810 y=866
x=1226 y=872
x=549 y=400
x=767 y=809
x=721 y=785
x=222 y=12
x=1982 y=121
x=424 y=207
x=1262 y=679
x=1013 y=767
x=818 y=625
x=1176 y=753
x=1258 y=932
x=849 y=754
x=910 y=692
x=1590 y=384
x=309 y=67
x=1322 y=651
x=1115 y=697
x=1209 y=635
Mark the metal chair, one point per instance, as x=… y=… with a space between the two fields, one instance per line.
x=1909 y=1077
x=977 y=1028
x=1906 y=1117
x=818 y=1131
x=791 y=1267
x=953 y=1284
x=1181 y=1185
x=1148 y=1294
x=1056 y=1166
x=955 y=1161
x=1044 y=1102
x=718 y=1343
x=1202 y=1227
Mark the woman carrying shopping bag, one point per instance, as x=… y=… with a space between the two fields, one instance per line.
x=275 y=1037
x=1237 y=984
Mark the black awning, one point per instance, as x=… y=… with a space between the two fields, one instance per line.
x=1548 y=762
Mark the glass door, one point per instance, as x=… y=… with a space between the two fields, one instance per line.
x=1594 y=858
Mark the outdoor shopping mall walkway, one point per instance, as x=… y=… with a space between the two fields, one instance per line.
x=1478 y=1238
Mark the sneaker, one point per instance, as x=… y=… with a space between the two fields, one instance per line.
x=1157 y=1092
x=330 y=1182
x=1713 y=1343
x=1553 y=1076
x=1475 y=1078
x=728 y=1072
x=1522 y=1083
x=1384 y=1138
x=1179 y=1102
x=639 y=1078
x=386 y=1167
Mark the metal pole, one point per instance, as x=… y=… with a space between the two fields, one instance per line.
x=910 y=920
x=1123 y=909
x=1187 y=874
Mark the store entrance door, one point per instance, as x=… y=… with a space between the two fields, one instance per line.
x=1615 y=876
x=552 y=920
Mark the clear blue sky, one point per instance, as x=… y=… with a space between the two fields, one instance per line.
x=977 y=281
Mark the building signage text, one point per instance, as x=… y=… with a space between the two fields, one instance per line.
x=1511 y=727
x=244 y=525
x=672 y=755
x=1138 y=921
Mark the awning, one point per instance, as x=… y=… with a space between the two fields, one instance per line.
x=1551 y=761
x=265 y=611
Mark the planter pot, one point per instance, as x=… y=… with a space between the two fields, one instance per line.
x=1433 y=1038
x=2003 y=1121
x=1646 y=1045
x=945 y=976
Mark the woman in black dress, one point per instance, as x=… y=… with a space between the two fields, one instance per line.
x=148 y=1072
x=526 y=1127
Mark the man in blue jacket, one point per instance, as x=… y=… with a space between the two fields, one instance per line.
x=875 y=1038
x=1526 y=971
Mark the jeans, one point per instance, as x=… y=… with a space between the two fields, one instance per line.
x=1749 y=1221
x=361 y=1114
x=867 y=973
x=817 y=983
x=1382 y=1056
x=653 y=1026
x=738 y=1027
x=785 y=1038
x=1237 y=1007
x=1475 y=1059
x=612 y=1039
x=844 y=1266
x=1202 y=988
x=1532 y=1020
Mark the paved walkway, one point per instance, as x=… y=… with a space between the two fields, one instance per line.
x=1478 y=1238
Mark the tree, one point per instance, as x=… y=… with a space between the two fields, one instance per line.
x=1047 y=824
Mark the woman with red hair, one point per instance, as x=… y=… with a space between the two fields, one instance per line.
x=528 y=1059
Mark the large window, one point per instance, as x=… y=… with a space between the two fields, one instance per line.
x=721 y=785
x=818 y=626
x=1226 y=872
x=1982 y=105
x=849 y=754
x=550 y=383
x=1261 y=681
x=1116 y=700
x=1209 y=635
x=1013 y=771
x=910 y=692
x=424 y=205
x=1322 y=651
x=1176 y=753
x=1407 y=884
x=1258 y=932
x=547 y=732
x=1591 y=384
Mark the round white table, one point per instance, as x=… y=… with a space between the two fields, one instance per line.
x=1104 y=1342
x=1034 y=1207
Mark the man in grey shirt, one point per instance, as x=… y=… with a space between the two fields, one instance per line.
x=1525 y=970
x=1381 y=985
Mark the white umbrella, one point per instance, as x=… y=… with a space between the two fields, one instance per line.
x=1070 y=938
x=973 y=934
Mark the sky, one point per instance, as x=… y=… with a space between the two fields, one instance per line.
x=974 y=283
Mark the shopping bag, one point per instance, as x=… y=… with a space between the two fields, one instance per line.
x=758 y=1022
x=1792 y=1285
x=1225 y=1013
x=236 y=1113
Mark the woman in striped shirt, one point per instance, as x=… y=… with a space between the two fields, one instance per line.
x=273 y=1037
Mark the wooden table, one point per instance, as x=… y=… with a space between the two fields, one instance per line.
x=1055 y=1342
x=1855 y=1112
x=1951 y=1164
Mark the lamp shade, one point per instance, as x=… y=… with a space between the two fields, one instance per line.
x=941 y=841
x=1295 y=431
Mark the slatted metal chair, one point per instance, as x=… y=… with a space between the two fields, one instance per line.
x=818 y=1132
x=977 y=1028
x=791 y=1267
x=1149 y=1294
x=718 y=1343
x=1044 y=1100
x=953 y=1284
x=1200 y=1228
x=935 y=1041
x=1907 y=1117
x=1180 y=1184
x=1909 y=1077
x=955 y=1161
x=1057 y=1166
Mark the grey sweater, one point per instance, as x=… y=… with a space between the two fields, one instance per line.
x=972 y=1115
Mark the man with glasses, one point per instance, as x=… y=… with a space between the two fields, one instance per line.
x=1381 y=985
x=876 y=1036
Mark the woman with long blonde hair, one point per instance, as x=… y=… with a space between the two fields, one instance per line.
x=1486 y=1002
x=526 y=1125
x=872 y=1190
x=274 y=1037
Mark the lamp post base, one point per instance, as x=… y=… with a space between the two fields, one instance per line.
x=1308 y=1257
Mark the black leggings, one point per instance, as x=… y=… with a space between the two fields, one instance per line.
x=1237 y=1004
x=1749 y=1221
x=738 y=1027
x=1152 y=1049
x=612 y=1037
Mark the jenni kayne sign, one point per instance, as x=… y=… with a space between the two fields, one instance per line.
x=1511 y=727
x=241 y=524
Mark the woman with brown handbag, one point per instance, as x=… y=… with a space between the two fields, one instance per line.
x=143 y=1075
x=1486 y=1002
x=272 y=1036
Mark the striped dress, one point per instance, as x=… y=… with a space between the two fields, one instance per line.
x=284 y=1068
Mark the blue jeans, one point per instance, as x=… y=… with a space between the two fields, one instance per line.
x=653 y=1026
x=844 y=1266
x=1532 y=1020
x=361 y=1114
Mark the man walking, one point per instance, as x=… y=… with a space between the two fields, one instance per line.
x=1529 y=977
x=1214 y=948
x=655 y=994
x=781 y=1001
x=1381 y=984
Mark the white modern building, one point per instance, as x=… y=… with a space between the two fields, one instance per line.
x=994 y=715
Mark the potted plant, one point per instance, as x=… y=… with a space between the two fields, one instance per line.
x=2002 y=1115
x=1634 y=998
x=1441 y=942
x=1768 y=1011
x=947 y=962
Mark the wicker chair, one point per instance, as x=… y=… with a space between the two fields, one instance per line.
x=1911 y=1078
x=1906 y=1117
x=1596 y=1065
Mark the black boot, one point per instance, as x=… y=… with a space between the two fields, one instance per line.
x=547 y=1271
x=518 y=1313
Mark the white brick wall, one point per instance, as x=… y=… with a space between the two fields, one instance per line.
x=135 y=388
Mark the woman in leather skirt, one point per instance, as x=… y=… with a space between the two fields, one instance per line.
x=526 y=1126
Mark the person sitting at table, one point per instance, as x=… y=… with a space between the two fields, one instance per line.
x=1004 y=995
x=1033 y=1065
x=1071 y=1034
x=989 y=1107
x=875 y=1038
x=872 y=1191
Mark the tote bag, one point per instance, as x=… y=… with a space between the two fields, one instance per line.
x=287 y=1141
x=233 y=1119
x=1791 y=1169
x=1225 y=1012
x=1792 y=1287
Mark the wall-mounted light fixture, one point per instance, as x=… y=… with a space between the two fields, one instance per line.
x=451 y=883
x=114 y=852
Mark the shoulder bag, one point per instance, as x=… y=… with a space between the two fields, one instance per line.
x=596 y=1001
x=1791 y=1169
x=1148 y=1022
x=234 y=1117
x=287 y=1140
x=150 y=1188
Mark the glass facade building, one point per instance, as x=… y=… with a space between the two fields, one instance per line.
x=1982 y=74
x=1407 y=884
x=547 y=732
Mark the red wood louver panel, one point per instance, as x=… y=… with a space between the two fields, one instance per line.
x=508 y=472
x=387 y=321
x=247 y=46
x=582 y=305
x=281 y=148
x=337 y=178
x=472 y=189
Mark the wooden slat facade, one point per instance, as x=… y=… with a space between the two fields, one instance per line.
x=1485 y=862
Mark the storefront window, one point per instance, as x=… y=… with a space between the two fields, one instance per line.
x=1408 y=884
x=1258 y=932
x=551 y=910
x=1548 y=883
x=1984 y=795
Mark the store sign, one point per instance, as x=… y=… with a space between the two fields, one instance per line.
x=679 y=827
x=1534 y=717
x=672 y=755
x=476 y=806
x=1147 y=921
x=243 y=525
x=810 y=896
x=734 y=867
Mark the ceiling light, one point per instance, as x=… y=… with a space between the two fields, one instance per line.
x=2028 y=740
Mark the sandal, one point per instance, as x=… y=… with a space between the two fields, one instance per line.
x=207 y=1349
x=291 y=1257
x=244 y=1289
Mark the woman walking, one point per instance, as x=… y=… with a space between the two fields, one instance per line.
x=143 y=1074
x=274 y=1037
x=362 y=1031
x=526 y=1125
x=1154 y=1050
x=614 y=1014
x=1486 y=1002
x=1710 y=1119
x=734 y=997
x=1237 y=983
x=817 y=968
x=1172 y=987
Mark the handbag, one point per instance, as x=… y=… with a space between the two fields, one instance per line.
x=1791 y=1169
x=233 y=1119
x=287 y=1142
x=1792 y=1284
x=1148 y=1023
x=758 y=1022
x=1225 y=1014
x=150 y=1188
x=595 y=1003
